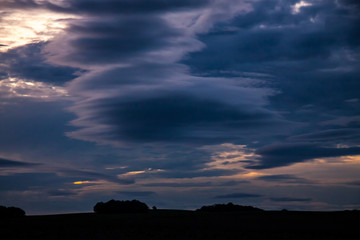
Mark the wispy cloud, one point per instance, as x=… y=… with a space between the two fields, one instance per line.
x=239 y=195
x=284 y=178
x=7 y=163
x=290 y=199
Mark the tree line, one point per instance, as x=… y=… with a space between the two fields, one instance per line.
x=6 y=212
x=135 y=206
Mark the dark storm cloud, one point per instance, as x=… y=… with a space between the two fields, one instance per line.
x=309 y=61
x=168 y=106
x=272 y=33
x=110 y=40
x=151 y=98
x=171 y=118
x=290 y=199
x=5 y=163
x=239 y=195
x=106 y=7
x=277 y=155
x=285 y=178
x=124 y=6
x=28 y=62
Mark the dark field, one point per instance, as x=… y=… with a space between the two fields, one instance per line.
x=171 y=224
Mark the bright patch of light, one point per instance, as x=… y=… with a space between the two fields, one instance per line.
x=252 y=174
x=15 y=87
x=229 y=156
x=351 y=159
x=81 y=182
x=296 y=8
x=149 y=170
x=19 y=28
x=133 y=173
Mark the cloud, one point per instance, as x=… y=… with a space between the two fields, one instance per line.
x=159 y=79
x=125 y=7
x=22 y=25
x=93 y=175
x=290 y=199
x=353 y=183
x=28 y=62
x=177 y=118
x=19 y=4
x=297 y=7
x=18 y=88
x=113 y=97
x=166 y=106
x=61 y=193
x=6 y=163
x=284 y=178
x=115 y=40
x=343 y=121
x=278 y=155
x=197 y=173
x=136 y=193
x=281 y=35
x=239 y=195
x=300 y=51
x=33 y=180
x=329 y=135
x=194 y=184
x=106 y=7
x=350 y=3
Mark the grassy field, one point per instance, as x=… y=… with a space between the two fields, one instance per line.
x=173 y=224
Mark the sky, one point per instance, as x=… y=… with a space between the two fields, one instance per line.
x=180 y=103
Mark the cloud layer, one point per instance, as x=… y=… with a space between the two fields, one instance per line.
x=180 y=100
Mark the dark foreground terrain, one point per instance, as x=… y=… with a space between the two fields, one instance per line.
x=171 y=224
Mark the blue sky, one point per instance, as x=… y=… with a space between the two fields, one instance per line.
x=179 y=103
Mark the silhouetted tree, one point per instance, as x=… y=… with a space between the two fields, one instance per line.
x=115 y=206
x=154 y=208
x=230 y=207
x=6 y=212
